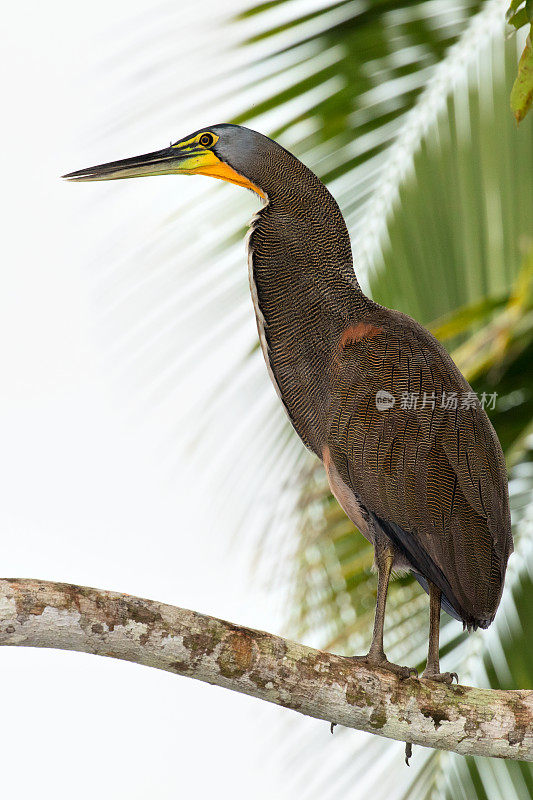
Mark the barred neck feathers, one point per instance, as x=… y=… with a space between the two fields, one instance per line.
x=303 y=286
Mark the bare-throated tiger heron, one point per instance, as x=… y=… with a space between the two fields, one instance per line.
x=425 y=483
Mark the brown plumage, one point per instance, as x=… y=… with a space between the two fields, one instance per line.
x=433 y=478
x=427 y=485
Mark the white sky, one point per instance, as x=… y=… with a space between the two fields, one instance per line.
x=84 y=497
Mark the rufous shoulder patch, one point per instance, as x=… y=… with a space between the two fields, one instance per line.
x=363 y=330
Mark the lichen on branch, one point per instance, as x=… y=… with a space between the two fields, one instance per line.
x=464 y=719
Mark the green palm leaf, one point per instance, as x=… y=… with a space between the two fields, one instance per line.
x=448 y=253
x=402 y=109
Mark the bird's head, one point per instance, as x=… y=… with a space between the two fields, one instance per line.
x=221 y=151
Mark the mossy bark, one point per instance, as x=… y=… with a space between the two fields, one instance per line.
x=315 y=683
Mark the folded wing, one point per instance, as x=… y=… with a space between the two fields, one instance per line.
x=429 y=468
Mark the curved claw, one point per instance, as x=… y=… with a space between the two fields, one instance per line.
x=441 y=677
x=402 y=672
x=383 y=663
x=405 y=672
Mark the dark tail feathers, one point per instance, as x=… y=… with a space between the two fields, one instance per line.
x=425 y=569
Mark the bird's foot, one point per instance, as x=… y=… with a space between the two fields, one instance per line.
x=441 y=677
x=382 y=662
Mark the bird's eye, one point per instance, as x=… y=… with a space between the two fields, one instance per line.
x=206 y=139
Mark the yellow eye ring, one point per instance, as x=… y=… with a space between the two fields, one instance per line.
x=206 y=139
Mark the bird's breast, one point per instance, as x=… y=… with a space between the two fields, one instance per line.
x=303 y=300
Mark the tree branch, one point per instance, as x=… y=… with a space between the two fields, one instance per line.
x=318 y=684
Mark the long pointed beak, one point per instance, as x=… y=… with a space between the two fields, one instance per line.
x=171 y=160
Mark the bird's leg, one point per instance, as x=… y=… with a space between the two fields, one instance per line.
x=376 y=655
x=432 y=667
x=384 y=559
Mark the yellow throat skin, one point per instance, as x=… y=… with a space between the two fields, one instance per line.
x=218 y=169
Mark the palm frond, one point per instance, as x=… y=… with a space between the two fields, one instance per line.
x=401 y=108
x=474 y=273
x=338 y=90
